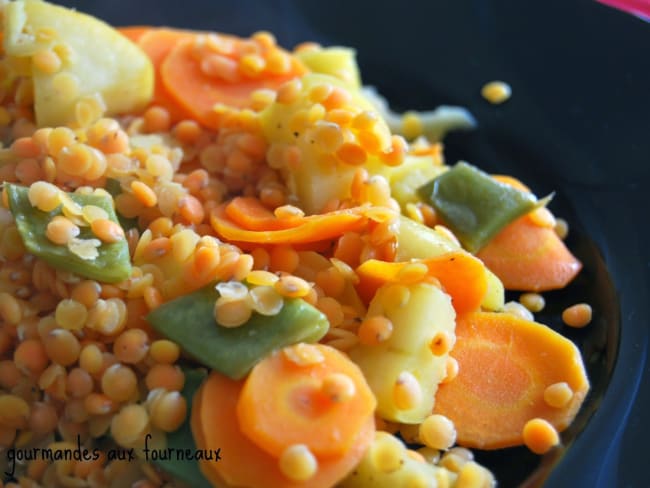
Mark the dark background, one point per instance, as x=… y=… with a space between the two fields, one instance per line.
x=577 y=123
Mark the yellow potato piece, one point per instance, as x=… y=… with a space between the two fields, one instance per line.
x=426 y=312
x=97 y=61
x=340 y=62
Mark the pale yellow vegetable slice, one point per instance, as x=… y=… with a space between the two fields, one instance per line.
x=336 y=61
x=318 y=176
x=388 y=464
x=97 y=61
x=426 y=311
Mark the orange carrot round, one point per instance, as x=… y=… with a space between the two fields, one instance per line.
x=158 y=43
x=197 y=92
x=286 y=401
x=214 y=424
x=528 y=257
x=505 y=365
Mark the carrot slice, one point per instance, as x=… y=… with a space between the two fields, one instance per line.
x=158 y=43
x=528 y=257
x=283 y=403
x=313 y=228
x=134 y=32
x=461 y=275
x=505 y=365
x=250 y=214
x=198 y=93
x=215 y=424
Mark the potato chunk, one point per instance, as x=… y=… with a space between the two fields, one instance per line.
x=426 y=311
x=96 y=61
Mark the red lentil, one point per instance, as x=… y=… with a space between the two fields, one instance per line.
x=578 y=315
x=540 y=436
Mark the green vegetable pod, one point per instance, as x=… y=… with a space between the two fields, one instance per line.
x=189 y=321
x=474 y=205
x=112 y=262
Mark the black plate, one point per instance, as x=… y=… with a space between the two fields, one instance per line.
x=578 y=123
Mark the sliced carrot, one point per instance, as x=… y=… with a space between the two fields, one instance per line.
x=284 y=403
x=250 y=214
x=198 y=93
x=134 y=32
x=158 y=43
x=461 y=275
x=215 y=424
x=528 y=257
x=505 y=365
x=313 y=228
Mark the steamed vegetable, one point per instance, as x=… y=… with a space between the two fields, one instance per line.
x=318 y=157
x=97 y=62
x=419 y=313
x=460 y=274
x=339 y=62
x=198 y=83
x=215 y=423
x=415 y=241
x=413 y=173
x=494 y=298
x=388 y=464
x=157 y=44
x=432 y=124
x=528 y=257
x=104 y=261
x=313 y=228
x=249 y=213
x=506 y=364
x=189 y=321
x=474 y=205
x=305 y=394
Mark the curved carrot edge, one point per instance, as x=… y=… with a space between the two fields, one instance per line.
x=214 y=424
x=313 y=228
x=250 y=214
x=505 y=364
x=198 y=93
x=297 y=412
x=157 y=44
x=528 y=257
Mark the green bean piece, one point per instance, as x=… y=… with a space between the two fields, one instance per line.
x=113 y=262
x=474 y=205
x=183 y=439
x=189 y=321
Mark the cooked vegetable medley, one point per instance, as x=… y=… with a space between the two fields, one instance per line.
x=225 y=263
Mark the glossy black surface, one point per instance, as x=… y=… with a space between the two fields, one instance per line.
x=578 y=123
